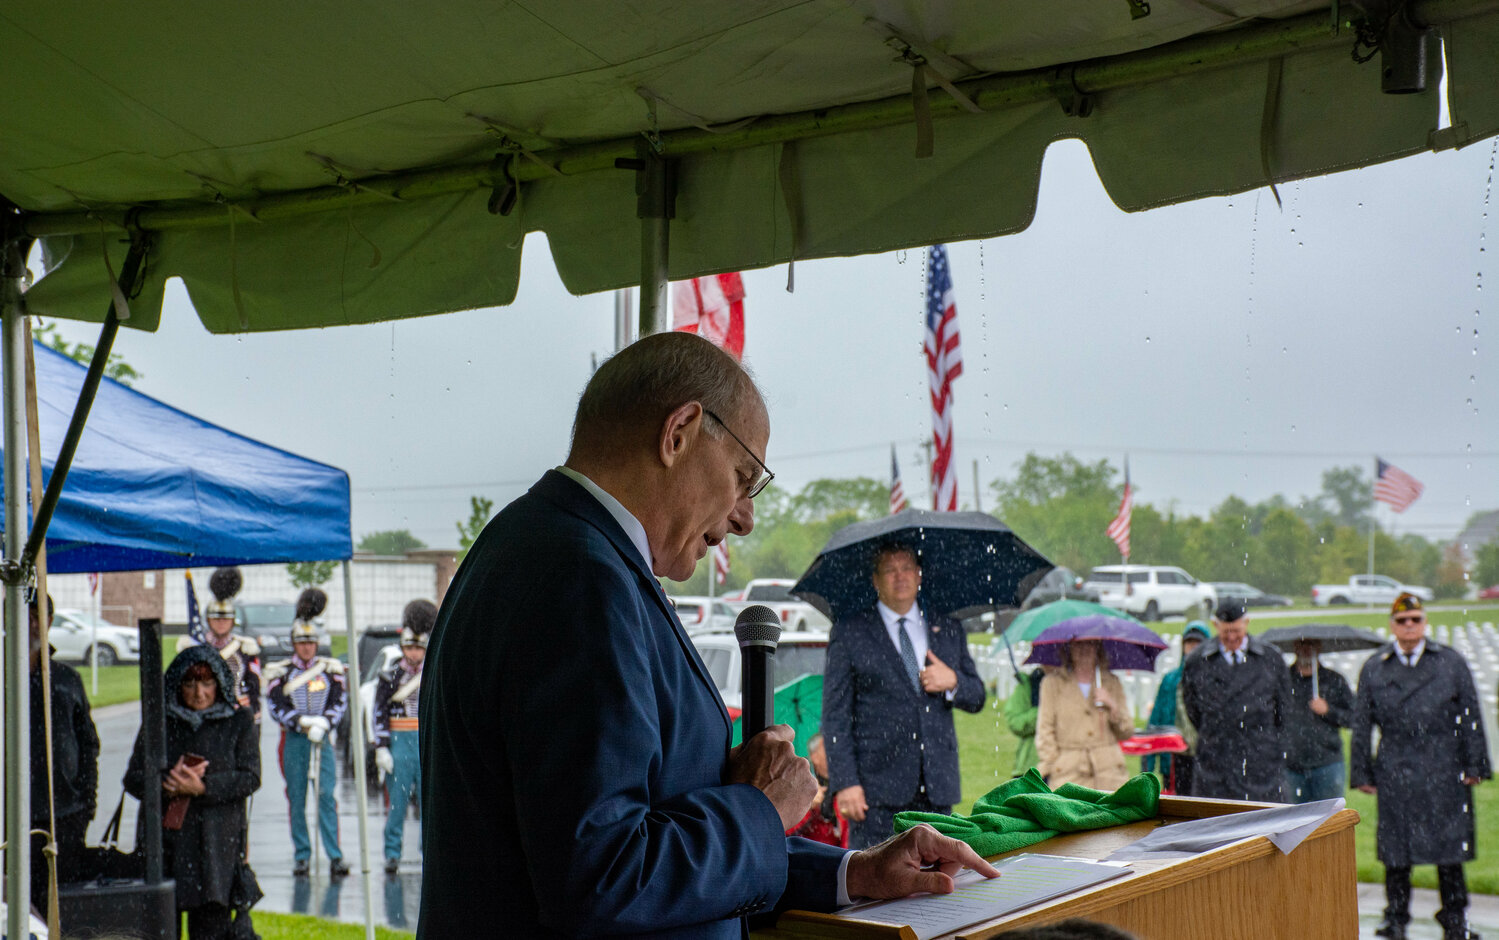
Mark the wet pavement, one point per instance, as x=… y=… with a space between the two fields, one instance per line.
x=395 y=898
x=1483 y=913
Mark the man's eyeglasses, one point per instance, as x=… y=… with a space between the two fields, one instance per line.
x=766 y=476
x=1417 y=618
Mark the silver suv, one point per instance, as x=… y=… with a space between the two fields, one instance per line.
x=1151 y=592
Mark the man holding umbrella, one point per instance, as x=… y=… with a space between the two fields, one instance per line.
x=1321 y=703
x=1432 y=752
x=893 y=677
x=1237 y=693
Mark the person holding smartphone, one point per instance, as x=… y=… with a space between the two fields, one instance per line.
x=213 y=760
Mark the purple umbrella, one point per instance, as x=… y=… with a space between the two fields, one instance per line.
x=1128 y=644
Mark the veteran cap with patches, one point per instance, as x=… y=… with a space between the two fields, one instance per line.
x=1406 y=601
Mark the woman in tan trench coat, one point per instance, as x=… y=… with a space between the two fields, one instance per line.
x=1079 y=725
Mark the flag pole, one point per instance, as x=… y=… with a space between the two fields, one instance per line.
x=1373 y=515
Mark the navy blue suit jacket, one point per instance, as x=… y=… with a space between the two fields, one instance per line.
x=879 y=731
x=574 y=748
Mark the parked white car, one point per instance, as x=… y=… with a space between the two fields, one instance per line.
x=775 y=593
x=73 y=632
x=1367 y=589
x=1151 y=592
x=798 y=654
x=704 y=614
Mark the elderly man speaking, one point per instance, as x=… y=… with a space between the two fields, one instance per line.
x=577 y=778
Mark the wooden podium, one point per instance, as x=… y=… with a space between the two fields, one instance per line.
x=1246 y=890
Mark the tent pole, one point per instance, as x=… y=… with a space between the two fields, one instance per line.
x=357 y=747
x=655 y=238
x=129 y=278
x=622 y=318
x=656 y=206
x=17 y=657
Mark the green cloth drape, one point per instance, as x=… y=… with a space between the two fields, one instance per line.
x=1025 y=811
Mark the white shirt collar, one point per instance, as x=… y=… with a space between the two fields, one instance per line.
x=633 y=529
x=1414 y=655
x=915 y=629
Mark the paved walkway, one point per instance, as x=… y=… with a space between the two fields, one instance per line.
x=395 y=899
x=1483 y=913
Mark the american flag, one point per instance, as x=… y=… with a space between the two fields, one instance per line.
x=194 y=619
x=944 y=362
x=897 y=492
x=1394 y=486
x=1118 y=530
x=721 y=561
x=713 y=308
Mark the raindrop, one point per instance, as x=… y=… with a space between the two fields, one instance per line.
x=1147 y=339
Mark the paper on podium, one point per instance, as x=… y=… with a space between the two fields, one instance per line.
x=1286 y=826
x=1024 y=880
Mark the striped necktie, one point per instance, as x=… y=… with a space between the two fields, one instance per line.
x=908 y=653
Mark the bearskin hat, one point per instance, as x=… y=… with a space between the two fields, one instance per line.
x=225 y=583
x=419 y=616
x=311 y=603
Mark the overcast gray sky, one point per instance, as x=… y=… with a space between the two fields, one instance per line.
x=1228 y=346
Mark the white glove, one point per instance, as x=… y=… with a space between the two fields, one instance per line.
x=315 y=726
x=384 y=760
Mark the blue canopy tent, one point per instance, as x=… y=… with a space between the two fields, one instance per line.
x=154 y=487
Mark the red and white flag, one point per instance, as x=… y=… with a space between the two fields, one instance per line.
x=721 y=561
x=944 y=362
x=1118 y=530
x=1394 y=486
x=713 y=308
x=897 y=492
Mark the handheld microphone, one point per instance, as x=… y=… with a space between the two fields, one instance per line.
x=758 y=630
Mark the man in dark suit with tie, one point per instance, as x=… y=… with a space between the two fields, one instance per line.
x=1237 y=692
x=577 y=778
x=1432 y=752
x=893 y=678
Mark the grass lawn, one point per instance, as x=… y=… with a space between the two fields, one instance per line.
x=986 y=750
x=301 y=927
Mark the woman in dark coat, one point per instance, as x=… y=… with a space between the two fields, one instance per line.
x=205 y=853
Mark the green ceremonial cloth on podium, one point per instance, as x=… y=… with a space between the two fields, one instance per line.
x=798 y=704
x=1025 y=811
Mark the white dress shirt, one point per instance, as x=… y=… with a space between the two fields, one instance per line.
x=627 y=521
x=915 y=629
x=1414 y=656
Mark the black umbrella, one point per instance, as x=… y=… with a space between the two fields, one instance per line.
x=1335 y=637
x=969 y=561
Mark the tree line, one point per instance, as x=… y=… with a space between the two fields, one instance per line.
x=1061 y=506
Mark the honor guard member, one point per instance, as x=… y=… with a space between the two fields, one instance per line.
x=397 y=693
x=307 y=697
x=240 y=652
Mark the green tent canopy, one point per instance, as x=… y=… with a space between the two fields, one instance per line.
x=304 y=164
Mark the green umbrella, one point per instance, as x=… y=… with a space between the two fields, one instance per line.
x=798 y=703
x=1030 y=623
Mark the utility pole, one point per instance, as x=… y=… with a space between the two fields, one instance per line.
x=977 y=503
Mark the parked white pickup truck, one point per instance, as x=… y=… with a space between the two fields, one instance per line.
x=775 y=593
x=1366 y=589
